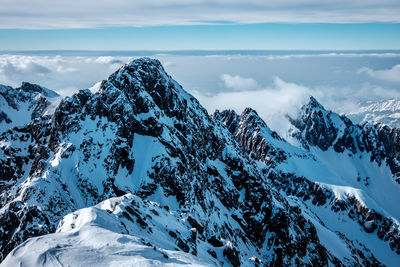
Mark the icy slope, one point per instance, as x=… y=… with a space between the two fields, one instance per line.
x=19 y=106
x=142 y=134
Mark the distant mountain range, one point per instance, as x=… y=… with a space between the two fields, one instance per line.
x=19 y=106
x=138 y=172
x=384 y=111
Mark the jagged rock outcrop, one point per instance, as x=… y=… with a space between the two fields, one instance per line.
x=254 y=135
x=390 y=140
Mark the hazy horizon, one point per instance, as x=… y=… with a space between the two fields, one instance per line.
x=272 y=82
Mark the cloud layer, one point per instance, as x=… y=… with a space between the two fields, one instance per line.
x=390 y=75
x=63 y=74
x=272 y=102
x=272 y=85
x=237 y=83
x=48 y=14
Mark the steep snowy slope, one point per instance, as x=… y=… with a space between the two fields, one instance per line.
x=142 y=134
x=350 y=191
x=19 y=106
x=386 y=112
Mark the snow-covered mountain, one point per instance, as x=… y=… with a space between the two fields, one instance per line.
x=386 y=112
x=19 y=106
x=138 y=173
x=341 y=174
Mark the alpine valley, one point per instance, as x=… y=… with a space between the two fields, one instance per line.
x=138 y=173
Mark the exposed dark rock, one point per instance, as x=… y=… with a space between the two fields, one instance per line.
x=215 y=242
x=232 y=255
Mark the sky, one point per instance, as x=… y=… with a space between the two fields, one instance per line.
x=270 y=36
x=268 y=55
x=199 y=24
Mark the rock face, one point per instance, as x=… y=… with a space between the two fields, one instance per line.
x=142 y=162
x=390 y=141
x=18 y=106
x=254 y=136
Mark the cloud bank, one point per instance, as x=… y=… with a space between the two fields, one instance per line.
x=272 y=85
x=237 y=83
x=64 y=74
x=49 y=14
x=390 y=75
x=272 y=102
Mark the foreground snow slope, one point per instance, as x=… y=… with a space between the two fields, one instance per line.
x=106 y=235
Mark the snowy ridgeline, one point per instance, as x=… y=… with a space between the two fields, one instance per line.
x=136 y=172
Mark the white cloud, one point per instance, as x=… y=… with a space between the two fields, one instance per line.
x=390 y=75
x=45 y=14
x=281 y=98
x=104 y=60
x=238 y=83
x=272 y=103
x=305 y=56
x=64 y=74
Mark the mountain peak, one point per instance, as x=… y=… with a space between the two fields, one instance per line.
x=229 y=118
x=251 y=118
x=142 y=73
x=147 y=87
x=314 y=104
x=144 y=66
x=34 y=88
x=250 y=111
x=145 y=61
x=30 y=87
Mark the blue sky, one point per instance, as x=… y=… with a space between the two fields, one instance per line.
x=199 y=24
x=285 y=36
